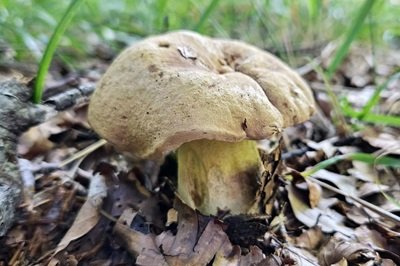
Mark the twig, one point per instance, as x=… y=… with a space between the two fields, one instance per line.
x=83 y=152
x=366 y=204
x=17 y=114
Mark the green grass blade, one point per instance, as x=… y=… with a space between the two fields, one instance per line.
x=314 y=7
x=356 y=156
x=210 y=8
x=388 y=120
x=350 y=36
x=376 y=96
x=160 y=10
x=338 y=115
x=51 y=47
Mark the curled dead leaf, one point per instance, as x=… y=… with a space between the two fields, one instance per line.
x=314 y=193
x=328 y=219
x=88 y=215
x=338 y=249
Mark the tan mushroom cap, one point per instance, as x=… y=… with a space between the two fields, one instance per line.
x=170 y=89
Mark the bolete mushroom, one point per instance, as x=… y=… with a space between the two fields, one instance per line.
x=209 y=99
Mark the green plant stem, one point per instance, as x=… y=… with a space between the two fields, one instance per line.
x=376 y=96
x=350 y=36
x=338 y=119
x=51 y=47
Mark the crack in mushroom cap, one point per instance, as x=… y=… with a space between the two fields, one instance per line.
x=170 y=89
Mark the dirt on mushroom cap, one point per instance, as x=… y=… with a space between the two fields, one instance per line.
x=173 y=88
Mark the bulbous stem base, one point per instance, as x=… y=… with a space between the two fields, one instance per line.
x=216 y=175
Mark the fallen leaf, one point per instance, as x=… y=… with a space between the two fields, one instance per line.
x=138 y=243
x=328 y=219
x=369 y=189
x=339 y=248
x=382 y=140
x=310 y=239
x=314 y=193
x=342 y=262
x=88 y=215
x=344 y=183
x=301 y=257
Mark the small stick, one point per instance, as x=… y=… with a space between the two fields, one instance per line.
x=83 y=152
x=366 y=204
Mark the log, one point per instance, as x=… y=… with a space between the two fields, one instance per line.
x=18 y=114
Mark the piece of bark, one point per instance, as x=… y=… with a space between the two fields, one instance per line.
x=17 y=114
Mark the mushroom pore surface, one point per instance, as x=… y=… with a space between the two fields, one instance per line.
x=179 y=87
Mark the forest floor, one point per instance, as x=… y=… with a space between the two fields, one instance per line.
x=103 y=209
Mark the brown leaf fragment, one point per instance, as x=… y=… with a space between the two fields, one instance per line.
x=186 y=237
x=299 y=256
x=211 y=240
x=382 y=240
x=370 y=237
x=314 y=193
x=344 y=183
x=88 y=215
x=310 y=239
x=388 y=262
x=227 y=255
x=191 y=245
x=342 y=262
x=389 y=143
x=328 y=219
x=198 y=241
x=172 y=216
x=337 y=249
x=137 y=243
x=254 y=257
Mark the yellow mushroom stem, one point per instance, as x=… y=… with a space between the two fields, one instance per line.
x=216 y=175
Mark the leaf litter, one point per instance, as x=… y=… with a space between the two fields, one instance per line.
x=104 y=209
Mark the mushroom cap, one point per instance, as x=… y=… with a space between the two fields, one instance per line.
x=178 y=87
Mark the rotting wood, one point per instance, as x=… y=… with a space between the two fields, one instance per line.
x=17 y=114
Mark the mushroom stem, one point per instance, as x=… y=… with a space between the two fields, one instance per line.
x=216 y=175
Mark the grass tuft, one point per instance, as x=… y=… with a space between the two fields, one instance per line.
x=51 y=47
x=355 y=28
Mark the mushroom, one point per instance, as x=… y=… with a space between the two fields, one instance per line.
x=208 y=99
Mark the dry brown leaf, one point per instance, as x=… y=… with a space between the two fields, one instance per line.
x=326 y=146
x=342 y=262
x=310 y=239
x=368 y=189
x=328 y=219
x=188 y=247
x=370 y=237
x=314 y=193
x=301 y=257
x=138 y=243
x=384 y=241
x=337 y=249
x=360 y=215
x=88 y=215
x=344 y=183
x=382 y=140
x=35 y=141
